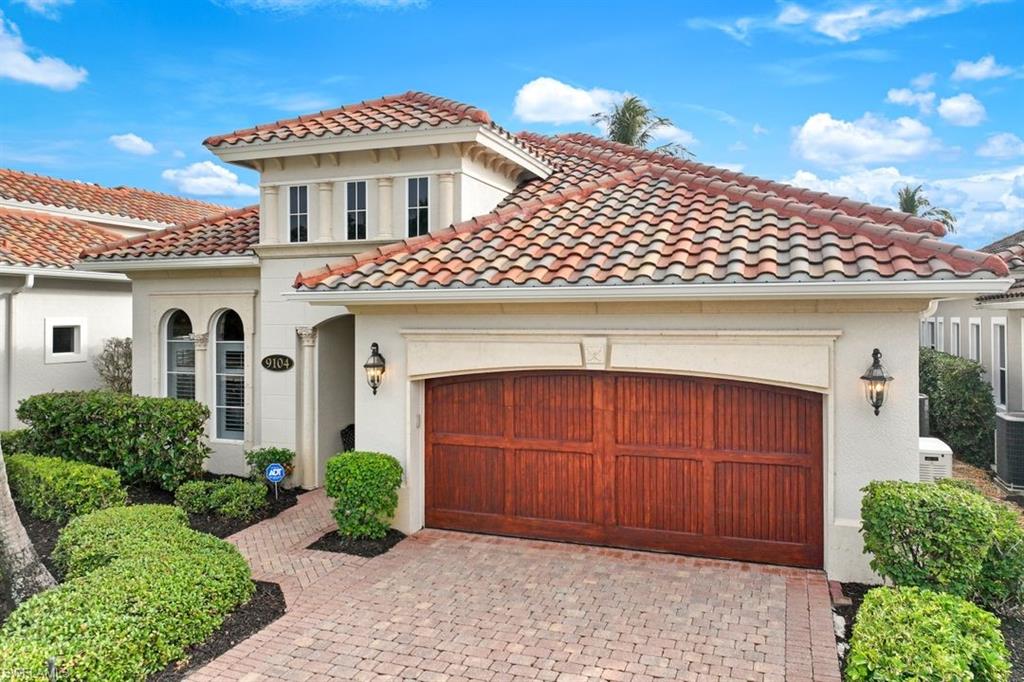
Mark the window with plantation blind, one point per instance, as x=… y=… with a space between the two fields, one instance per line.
x=229 y=376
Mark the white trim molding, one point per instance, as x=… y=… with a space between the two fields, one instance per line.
x=62 y=273
x=170 y=263
x=81 y=340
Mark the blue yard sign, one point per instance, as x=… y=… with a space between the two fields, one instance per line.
x=275 y=473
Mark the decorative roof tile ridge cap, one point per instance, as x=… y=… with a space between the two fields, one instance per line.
x=180 y=227
x=781 y=188
x=469 y=111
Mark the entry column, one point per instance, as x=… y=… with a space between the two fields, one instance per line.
x=306 y=441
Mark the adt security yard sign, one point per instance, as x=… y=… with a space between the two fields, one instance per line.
x=275 y=473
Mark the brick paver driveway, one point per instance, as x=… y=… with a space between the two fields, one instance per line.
x=452 y=606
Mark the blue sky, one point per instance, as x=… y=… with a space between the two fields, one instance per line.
x=850 y=97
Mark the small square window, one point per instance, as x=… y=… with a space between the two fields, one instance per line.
x=64 y=340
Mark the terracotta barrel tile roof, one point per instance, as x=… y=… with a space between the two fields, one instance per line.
x=228 y=234
x=126 y=202
x=610 y=214
x=395 y=112
x=44 y=240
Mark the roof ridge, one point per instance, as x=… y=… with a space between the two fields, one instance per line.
x=49 y=217
x=910 y=222
x=524 y=210
x=180 y=227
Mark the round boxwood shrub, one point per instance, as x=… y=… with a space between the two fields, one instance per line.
x=57 y=489
x=364 y=486
x=961 y=410
x=907 y=633
x=260 y=458
x=234 y=498
x=142 y=587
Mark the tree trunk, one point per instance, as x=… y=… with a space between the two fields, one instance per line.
x=26 y=575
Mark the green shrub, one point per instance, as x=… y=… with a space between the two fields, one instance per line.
x=907 y=633
x=235 y=498
x=961 y=410
x=152 y=440
x=15 y=441
x=1000 y=585
x=142 y=588
x=57 y=489
x=926 y=535
x=260 y=458
x=364 y=486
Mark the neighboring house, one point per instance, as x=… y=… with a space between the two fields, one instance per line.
x=582 y=341
x=54 y=319
x=988 y=329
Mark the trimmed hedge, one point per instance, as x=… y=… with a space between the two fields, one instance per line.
x=15 y=441
x=364 y=486
x=260 y=458
x=946 y=537
x=233 y=498
x=907 y=633
x=142 y=588
x=152 y=440
x=57 y=489
x=961 y=409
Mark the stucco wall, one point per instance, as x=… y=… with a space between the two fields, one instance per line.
x=103 y=308
x=859 y=446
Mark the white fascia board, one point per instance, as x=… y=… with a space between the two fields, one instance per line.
x=965 y=288
x=89 y=216
x=62 y=273
x=179 y=263
x=505 y=147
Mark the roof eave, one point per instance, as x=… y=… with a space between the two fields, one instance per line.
x=99 y=275
x=168 y=263
x=965 y=288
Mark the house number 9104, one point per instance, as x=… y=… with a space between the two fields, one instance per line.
x=278 y=363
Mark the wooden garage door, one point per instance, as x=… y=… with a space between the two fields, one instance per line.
x=679 y=464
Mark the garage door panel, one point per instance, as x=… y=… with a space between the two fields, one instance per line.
x=758 y=419
x=761 y=501
x=463 y=478
x=554 y=485
x=556 y=407
x=658 y=411
x=471 y=407
x=659 y=493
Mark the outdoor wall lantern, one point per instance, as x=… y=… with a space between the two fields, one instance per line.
x=875 y=380
x=374 y=367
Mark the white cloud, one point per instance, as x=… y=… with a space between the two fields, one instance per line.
x=962 y=110
x=206 y=178
x=1002 y=146
x=48 y=8
x=133 y=144
x=738 y=146
x=18 y=63
x=674 y=135
x=923 y=82
x=924 y=101
x=759 y=129
x=846 y=24
x=987 y=205
x=546 y=100
x=868 y=140
x=983 y=69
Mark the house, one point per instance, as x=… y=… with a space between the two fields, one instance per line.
x=567 y=338
x=53 y=318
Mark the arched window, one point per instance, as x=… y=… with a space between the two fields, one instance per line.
x=181 y=357
x=230 y=377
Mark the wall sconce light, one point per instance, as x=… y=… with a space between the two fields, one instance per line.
x=374 y=367
x=875 y=380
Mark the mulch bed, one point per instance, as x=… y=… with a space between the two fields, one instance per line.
x=332 y=542
x=266 y=606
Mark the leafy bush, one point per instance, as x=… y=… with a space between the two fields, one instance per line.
x=1000 y=586
x=364 y=486
x=907 y=633
x=56 y=489
x=14 y=441
x=961 y=409
x=235 y=498
x=260 y=458
x=153 y=440
x=143 y=588
x=926 y=535
x=114 y=364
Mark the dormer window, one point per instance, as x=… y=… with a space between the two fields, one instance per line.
x=355 y=209
x=298 y=214
x=418 y=204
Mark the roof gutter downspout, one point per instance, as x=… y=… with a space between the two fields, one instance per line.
x=30 y=282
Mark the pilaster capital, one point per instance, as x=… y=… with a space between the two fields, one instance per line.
x=269 y=190
x=201 y=341
x=385 y=182
x=307 y=335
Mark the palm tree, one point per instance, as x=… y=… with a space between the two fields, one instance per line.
x=26 y=575
x=634 y=123
x=914 y=202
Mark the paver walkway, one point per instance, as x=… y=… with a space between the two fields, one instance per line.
x=454 y=606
